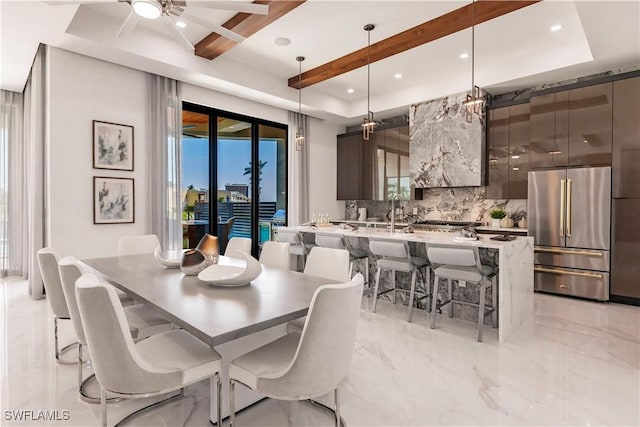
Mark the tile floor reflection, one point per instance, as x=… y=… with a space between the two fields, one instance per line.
x=577 y=363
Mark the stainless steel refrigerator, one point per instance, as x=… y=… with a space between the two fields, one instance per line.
x=569 y=214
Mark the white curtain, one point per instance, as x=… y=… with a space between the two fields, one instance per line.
x=298 y=171
x=26 y=178
x=165 y=124
x=11 y=154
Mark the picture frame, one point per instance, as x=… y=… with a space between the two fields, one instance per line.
x=113 y=200
x=113 y=146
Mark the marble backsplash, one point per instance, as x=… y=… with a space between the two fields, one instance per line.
x=445 y=150
x=451 y=204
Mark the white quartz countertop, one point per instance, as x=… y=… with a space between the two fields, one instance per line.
x=418 y=236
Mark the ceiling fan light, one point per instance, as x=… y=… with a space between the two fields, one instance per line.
x=148 y=9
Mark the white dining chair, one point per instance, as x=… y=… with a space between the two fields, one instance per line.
x=275 y=255
x=143 y=322
x=160 y=364
x=328 y=263
x=241 y=244
x=137 y=245
x=338 y=241
x=306 y=365
x=48 y=263
x=297 y=246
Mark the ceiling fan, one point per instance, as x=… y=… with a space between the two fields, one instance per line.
x=167 y=10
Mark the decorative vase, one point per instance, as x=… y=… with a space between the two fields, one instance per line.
x=523 y=223
x=495 y=222
x=193 y=261
x=506 y=222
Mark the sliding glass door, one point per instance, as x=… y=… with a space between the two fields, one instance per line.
x=248 y=201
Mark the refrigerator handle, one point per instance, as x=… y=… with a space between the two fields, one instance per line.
x=569 y=210
x=563 y=190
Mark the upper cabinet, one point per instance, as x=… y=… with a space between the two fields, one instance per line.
x=519 y=140
x=375 y=169
x=508 y=135
x=590 y=125
x=549 y=130
x=626 y=138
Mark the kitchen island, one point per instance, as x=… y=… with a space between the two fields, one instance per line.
x=514 y=260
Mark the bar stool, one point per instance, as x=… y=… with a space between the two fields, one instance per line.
x=462 y=263
x=296 y=245
x=337 y=241
x=394 y=255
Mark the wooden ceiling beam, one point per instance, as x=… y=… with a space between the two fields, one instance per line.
x=442 y=26
x=245 y=24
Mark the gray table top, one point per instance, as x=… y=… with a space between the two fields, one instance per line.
x=213 y=314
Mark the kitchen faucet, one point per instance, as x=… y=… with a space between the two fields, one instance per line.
x=393 y=212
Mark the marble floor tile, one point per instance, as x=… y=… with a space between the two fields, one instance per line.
x=577 y=363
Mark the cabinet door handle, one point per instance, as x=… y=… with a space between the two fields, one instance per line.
x=568 y=272
x=563 y=191
x=568 y=251
x=569 y=211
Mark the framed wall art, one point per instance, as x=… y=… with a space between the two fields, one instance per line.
x=113 y=200
x=112 y=146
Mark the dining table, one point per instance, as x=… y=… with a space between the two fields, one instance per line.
x=232 y=320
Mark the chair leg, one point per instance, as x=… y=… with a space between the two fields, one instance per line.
x=80 y=368
x=232 y=403
x=366 y=272
x=434 y=301
x=450 y=296
x=483 y=289
x=55 y=337
x=219 y=398
x=412 y=293
x=336 y=395
x=103 y=406
x=427 y=286
x=494 y=301
x=375 y=290
x=350 y=268
x=394 y=286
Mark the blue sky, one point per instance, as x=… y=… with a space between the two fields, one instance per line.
x=233 y=156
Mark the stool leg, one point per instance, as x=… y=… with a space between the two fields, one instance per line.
x=483 y=287
x=434 y=301
x=450 y=296
x=366 y=272
x=427 y=286
x=350 y=268
x=375 y=290
x=412 y=293
x=394 y=286
x=494 y=301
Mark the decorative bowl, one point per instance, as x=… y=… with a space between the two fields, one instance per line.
x=228 y=275
x=169 y=259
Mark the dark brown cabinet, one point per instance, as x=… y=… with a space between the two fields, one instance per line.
x=508 y=139
x=590 y=125
x=519 y=140
x=549 y=130
x=373 y=169
x=625 y=268
x=626 y=138
x=498 y=153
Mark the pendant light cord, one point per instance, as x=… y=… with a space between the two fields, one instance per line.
x=300 y=87
x=473 y=49
x=368 y=71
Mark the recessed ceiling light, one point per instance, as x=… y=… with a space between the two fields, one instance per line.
x=350 y=90
x=556 y=27
x=282 y=41
x=464 y=55
x=181 y=24
x=397 y=76
x=515 y=157
x=516 y=169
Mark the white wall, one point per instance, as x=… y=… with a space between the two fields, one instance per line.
x=82 y=89
x=323 y=169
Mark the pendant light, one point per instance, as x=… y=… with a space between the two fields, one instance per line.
x=474 y=101
x=368 y=123
x=300 y=133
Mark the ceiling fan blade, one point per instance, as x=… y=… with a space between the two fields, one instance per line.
x=78 y=2
x=128 y=24
x=214 y=27
x=181 y=38
x=236 y=6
